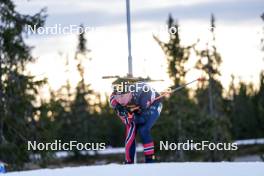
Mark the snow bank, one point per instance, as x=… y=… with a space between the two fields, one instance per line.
x=140 y=148
x=250 y=141
x=157 y=169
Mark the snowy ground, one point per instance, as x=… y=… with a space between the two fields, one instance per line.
x=158 y=169
x=120 y=150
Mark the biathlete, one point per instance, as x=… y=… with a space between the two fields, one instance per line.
x=141 y=120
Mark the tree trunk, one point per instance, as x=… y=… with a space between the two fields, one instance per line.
x=1 y=104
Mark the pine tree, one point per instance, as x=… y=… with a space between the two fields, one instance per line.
x=181 y=118
x=209 y=95
x=243 y=113
x=260 y=94
x=176 y=54
x=76 y=122
x=245 y=108
x=260 y=98
x=18 y=91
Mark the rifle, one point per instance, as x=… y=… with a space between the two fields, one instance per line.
x=136 y=108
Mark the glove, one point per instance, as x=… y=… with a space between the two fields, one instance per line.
x=124 y=114
x=121 y=110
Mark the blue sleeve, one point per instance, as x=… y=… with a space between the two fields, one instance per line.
x=145 y=97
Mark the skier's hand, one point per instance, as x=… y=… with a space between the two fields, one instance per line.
x=121 y=110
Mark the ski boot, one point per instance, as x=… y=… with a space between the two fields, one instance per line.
x=150 y=159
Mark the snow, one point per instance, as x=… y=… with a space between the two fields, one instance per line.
x=250 y=141
x=107 y=151
x=157 y=169
x=119 y=150
x=248 y=158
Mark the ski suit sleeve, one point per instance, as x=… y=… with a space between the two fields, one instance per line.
x=125 y=117
x=145 y=100
x=112 y=101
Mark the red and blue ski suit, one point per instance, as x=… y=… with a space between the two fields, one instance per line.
x=140 y=122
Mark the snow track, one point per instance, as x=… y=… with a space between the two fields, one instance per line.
x=157 y=169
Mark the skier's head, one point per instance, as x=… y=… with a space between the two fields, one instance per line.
x=122 y=90
x=123 y=98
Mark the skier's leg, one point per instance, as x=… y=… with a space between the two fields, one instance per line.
x=148 y=144
x=130 y=143
x=145 y=131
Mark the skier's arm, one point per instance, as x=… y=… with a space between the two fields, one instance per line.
x=145 y=99
x=121 y=111
x=112 y=101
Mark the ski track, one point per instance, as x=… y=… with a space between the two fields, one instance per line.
x=157 y=169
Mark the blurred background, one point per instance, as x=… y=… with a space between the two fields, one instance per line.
x=51 y=85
